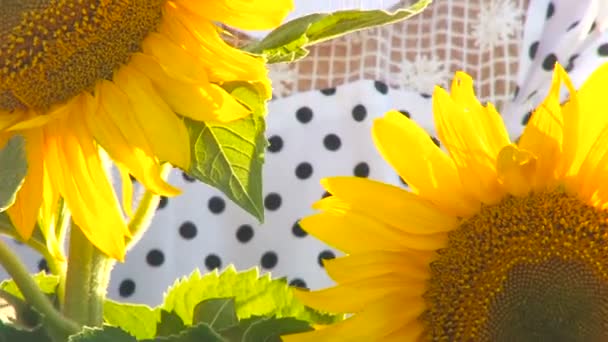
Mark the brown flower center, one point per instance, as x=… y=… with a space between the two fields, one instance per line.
x=51 y=50
x=531 y=268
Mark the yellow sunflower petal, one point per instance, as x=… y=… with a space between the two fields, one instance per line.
x=48 y=217
x=411 y=332
x=126 y=189
x=177 y=61
x=77 y=171
x=593 y=172
x=165 y=132
x=434 y=176
x=516 y=170
x=10 y=119
x=24 y=212
x=243 y=14
x=222 y=61
x=349 y=232
x=365 y=326
x=472 y=135
x=391 y=205
x=354 y=267
x=582 y=120
x=421 y=242
x=355 y=296
x=543 y=135
x=200 y=101
x=115 y=128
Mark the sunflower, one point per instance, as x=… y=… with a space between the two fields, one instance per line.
x=81 y=79
x=496 y=241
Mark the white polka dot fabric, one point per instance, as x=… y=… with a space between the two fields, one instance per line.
x=326 y=133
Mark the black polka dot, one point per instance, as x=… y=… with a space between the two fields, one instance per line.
x=126 y=288
x=304 y=114
x=155 y=257
x=573 y=25
x=269 y=260
x=361 y=170
x=188 y=230
x=533 y=49
x=402 y=181
x=275 y=144
x=212 y=262
x=162 y=202
x=406 y=113
x=381 y=87
x=297 y=230
x=532 y=94
x=592 y=28
x=549 y=62
x=526 y=118
x=132 y=178
x=272 y=201
x=571 y=60
x=303 y=170
x=436 y=141
x=216 y=205
x=325 y=255
x=602 y=50
x=425 y=95
x=244 y=233
x=188 y=178
x=43 y=265
x=297 y=282
x=516 y=92
x=332 y=142
x=550 y=10
x=359 y=113
x=328 y=91
x=325 y=194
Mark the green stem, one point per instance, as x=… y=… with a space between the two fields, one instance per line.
x=145 y=211
x=87 y=280
x=32 y=293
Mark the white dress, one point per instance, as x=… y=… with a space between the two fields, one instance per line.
x=319 y=127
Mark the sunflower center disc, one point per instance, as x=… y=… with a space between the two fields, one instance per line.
x=551 y=301
x=51 y=50
x=531 y=268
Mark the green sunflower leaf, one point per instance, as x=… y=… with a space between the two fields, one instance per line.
x=170 y=323
x=136 y=319
x=9 y=333
x=218 y=313
x=24 y=314
x=46 y=282
x=199 y=333
x=253 y=296
x=13 y=168
x=288 y=42
x=105 y=334
x=263 y=329
x=229 y=156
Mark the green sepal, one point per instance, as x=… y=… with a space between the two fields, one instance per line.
x=13 y=168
